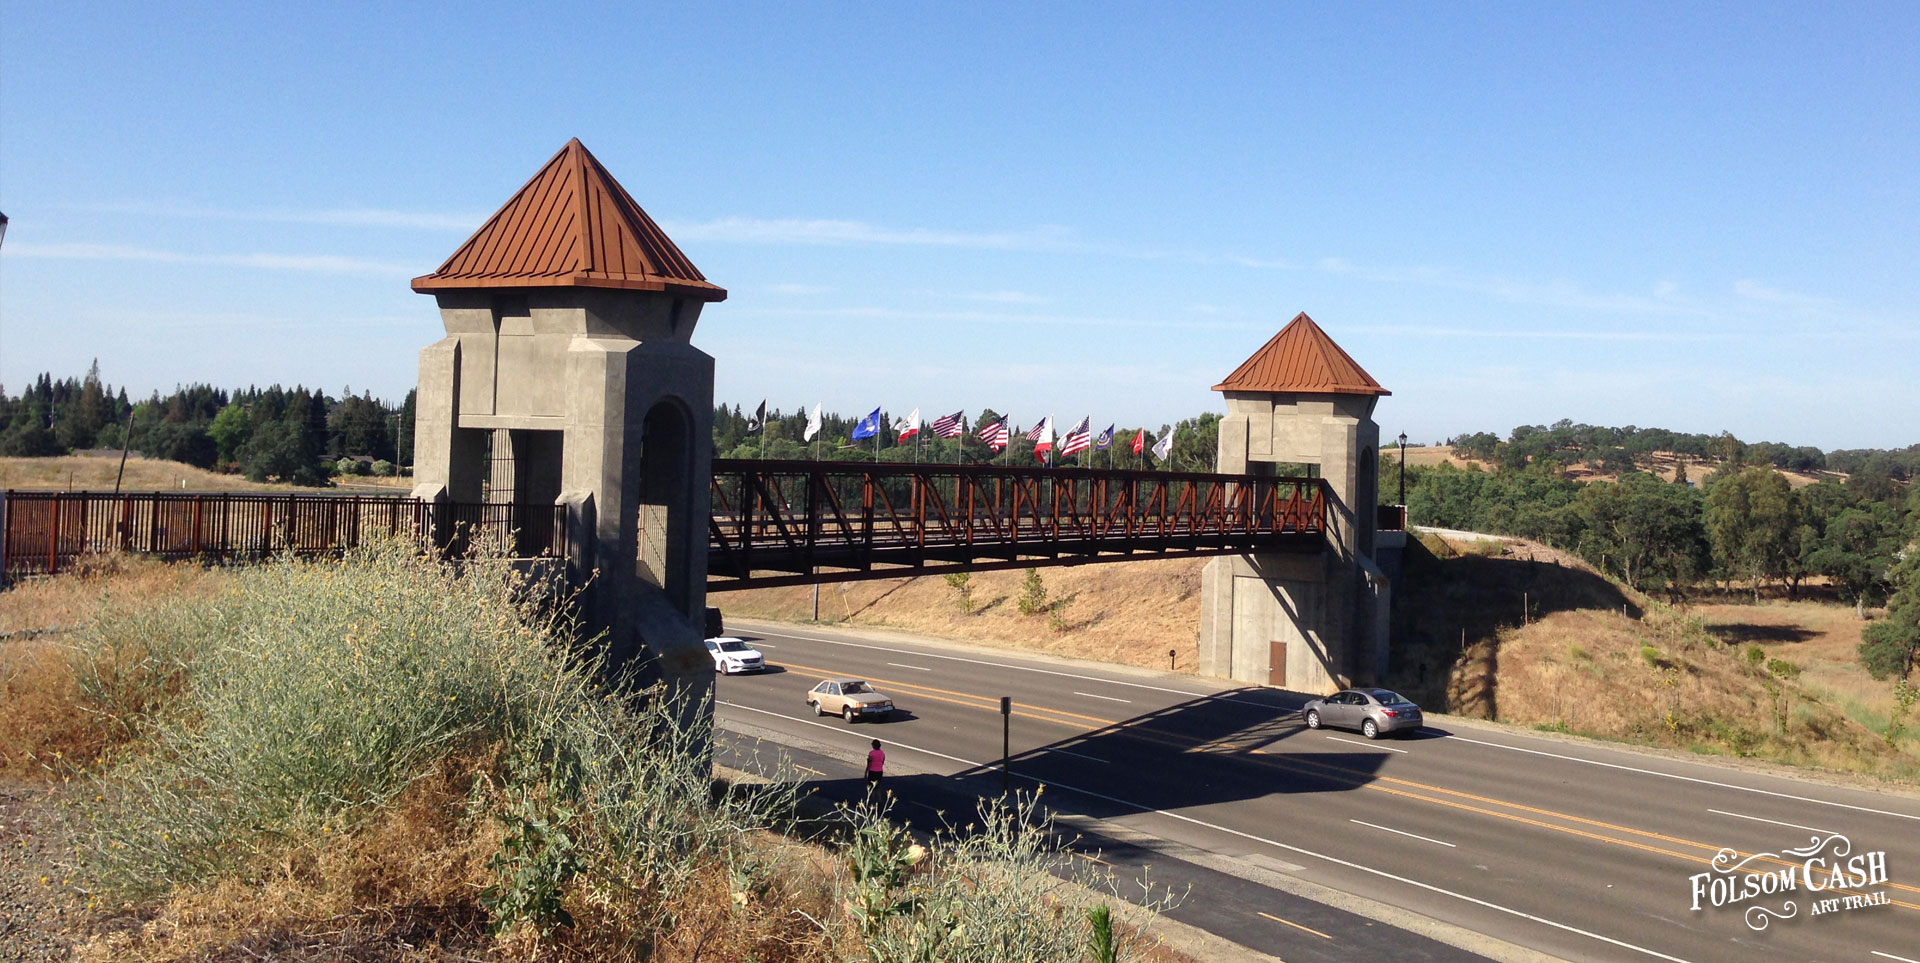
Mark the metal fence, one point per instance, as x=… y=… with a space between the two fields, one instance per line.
x=45 y=532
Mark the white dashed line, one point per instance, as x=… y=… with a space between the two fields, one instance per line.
x=1776 y=822
x=1108 y=698
x=1390 y=829
x=1369 y=745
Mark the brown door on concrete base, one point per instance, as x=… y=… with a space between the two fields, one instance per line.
x=1277 y=663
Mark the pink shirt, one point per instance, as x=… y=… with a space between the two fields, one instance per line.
x=876 y=761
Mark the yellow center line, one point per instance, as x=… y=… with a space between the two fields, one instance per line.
x=1291 y=923
x=1037 y=713
x=1357 y=778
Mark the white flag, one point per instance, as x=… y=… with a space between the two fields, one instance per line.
x=907 y=427
x=813 y=424
x=1163 y=449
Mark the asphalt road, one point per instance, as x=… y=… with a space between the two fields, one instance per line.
x=1577 y=851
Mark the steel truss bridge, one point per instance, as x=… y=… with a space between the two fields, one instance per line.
x=802 y=522
x=772 y=523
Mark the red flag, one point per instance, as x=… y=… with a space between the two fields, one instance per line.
x=1139 y=441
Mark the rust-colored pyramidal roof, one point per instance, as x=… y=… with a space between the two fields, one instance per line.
x=572 y=225
x=1302 y=358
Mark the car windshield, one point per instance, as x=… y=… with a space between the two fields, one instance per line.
x=733 y=645
x=855 y=688
x=1388 y=697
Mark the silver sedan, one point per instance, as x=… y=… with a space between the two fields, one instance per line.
x=1375 y=712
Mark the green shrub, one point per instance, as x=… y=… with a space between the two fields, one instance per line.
x=983 y=895
x=1781 y=668
x=383 y=468
x=1033 y=594
x=1579 y=653
x=1651 y=655
x=318 y=691
x=962 y=585
x=1755 y=654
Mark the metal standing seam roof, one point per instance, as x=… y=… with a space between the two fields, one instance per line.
x=1302 y=358
x=572 y=225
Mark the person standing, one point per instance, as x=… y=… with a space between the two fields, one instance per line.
x=876 y=765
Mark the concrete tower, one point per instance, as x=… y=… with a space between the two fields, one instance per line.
x=569 y=316
x=1310 y=622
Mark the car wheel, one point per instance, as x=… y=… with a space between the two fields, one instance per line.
x=1370 y=729
x=815 y=706
x=847 y=713
x=1313 y=718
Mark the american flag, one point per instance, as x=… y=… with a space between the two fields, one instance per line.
x=1078 y=438
x=1042 y=430
x=995 y=434
x=951 y=426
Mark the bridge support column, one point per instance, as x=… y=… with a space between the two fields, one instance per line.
x=569 y=319
x=1310 y=622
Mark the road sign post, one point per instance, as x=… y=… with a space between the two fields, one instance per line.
x=1006 y=743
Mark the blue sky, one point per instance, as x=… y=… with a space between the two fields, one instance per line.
x=1695 y=216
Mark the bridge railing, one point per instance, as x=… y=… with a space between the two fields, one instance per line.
x=46 y=532
x=791 y=522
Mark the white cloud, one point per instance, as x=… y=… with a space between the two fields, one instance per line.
x=801 y=288
x=343 y=217
x=1755 y=291
x=834 y=232
x=316 y=263
x=1006 y=297
x=990 y=317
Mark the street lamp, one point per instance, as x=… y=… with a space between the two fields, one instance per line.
x=1403 y=471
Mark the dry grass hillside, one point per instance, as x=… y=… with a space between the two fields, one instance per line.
x=1663 y=464
x=1776 y=681
x=1126 y=612
x=97 y=473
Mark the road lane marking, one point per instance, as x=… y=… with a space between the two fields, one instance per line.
x=892 y=742
x=1390 y=829
x=1022 y=668
x=1704 y=782
x=1369 y=745
x=1291 y=923
x=1776 y=822
x=1078 y=755
x=1890 y=956
x=974 y=701
x=902 y=665
x=1375 y=782
x=1352 y=865
x=1108 y=698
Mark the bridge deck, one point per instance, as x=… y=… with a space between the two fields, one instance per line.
x=800 y=522
x=772 y=522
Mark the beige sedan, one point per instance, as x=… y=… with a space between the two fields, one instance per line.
x=849 y=699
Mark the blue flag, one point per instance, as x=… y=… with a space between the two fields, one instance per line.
x=868 y=426
x=1104 y=440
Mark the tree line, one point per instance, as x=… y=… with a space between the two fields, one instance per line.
x=293 y=434
x=1746 y=526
